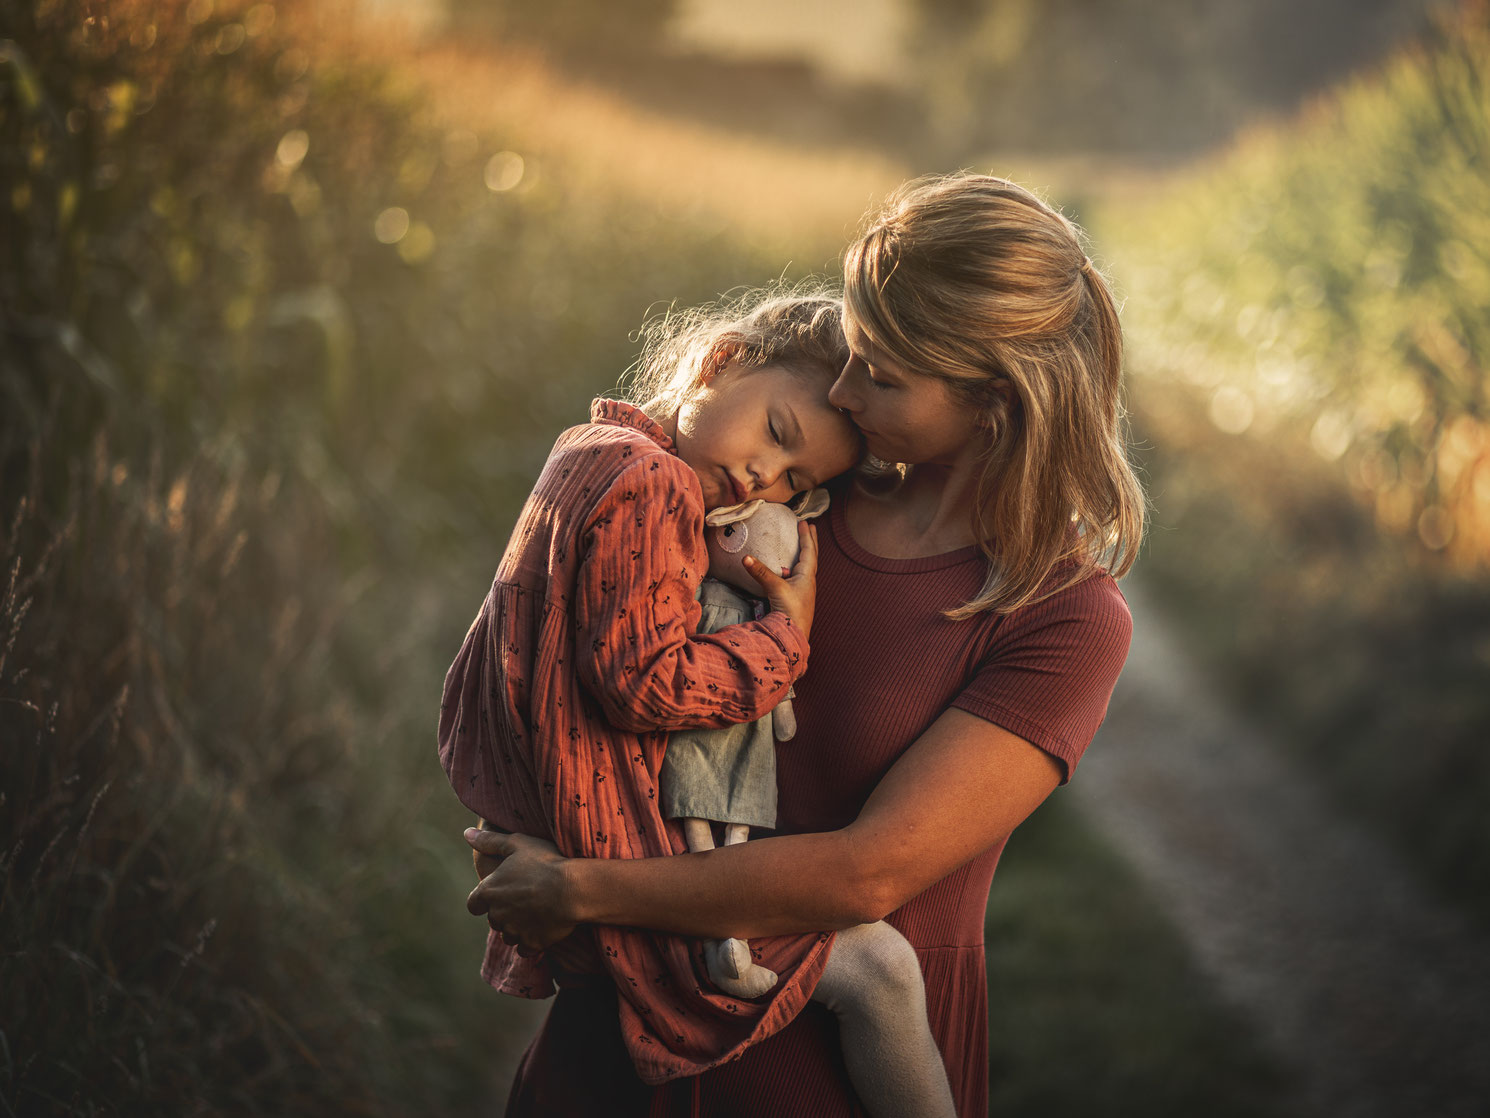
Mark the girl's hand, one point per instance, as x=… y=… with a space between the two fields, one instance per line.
x=796 y=595
x=525 y=897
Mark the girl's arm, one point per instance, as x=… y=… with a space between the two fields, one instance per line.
x=636 y=646
x=962 y=787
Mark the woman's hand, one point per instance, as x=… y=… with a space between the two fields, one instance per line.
x=796 y=595
x=524 y=896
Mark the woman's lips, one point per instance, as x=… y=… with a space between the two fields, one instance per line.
x=738 y=489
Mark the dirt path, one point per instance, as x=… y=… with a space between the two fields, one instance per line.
x=1379 y=997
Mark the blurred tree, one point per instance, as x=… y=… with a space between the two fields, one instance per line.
x=1151 y=75
x=1309 y=325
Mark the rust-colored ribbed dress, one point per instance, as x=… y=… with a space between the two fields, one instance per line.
x=885 y=664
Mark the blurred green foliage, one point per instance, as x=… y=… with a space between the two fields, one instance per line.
x=280 y=353
x=1133 y=76
x=1310 y=326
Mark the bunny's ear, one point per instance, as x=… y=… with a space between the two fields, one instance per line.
x=812 y=503
x=731 y=513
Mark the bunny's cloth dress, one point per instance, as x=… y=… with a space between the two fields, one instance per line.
x=726 y=775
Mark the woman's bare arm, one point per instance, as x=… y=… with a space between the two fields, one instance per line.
x=958 y=790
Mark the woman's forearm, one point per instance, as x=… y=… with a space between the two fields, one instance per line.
x=765 y=887
x=959 y=790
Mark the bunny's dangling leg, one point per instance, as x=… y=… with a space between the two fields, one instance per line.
x=730 y=966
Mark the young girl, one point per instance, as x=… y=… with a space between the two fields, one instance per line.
x=587 y=653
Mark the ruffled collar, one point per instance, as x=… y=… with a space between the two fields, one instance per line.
x=619 y=413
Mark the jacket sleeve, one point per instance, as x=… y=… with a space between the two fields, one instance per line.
x=637 y=648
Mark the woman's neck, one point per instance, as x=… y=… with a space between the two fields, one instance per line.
x=930 y=512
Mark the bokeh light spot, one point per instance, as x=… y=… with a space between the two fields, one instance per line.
x=305 y=194
x=199 y=11
x=258 y=19
x=230 y=37
x=503 y=171
x=1436 y=527
x=292 y=65
x=1330 y=436
x=391 y=225
x=292 y=149
x=1232 y=410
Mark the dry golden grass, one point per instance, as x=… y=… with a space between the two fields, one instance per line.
x=771 y=192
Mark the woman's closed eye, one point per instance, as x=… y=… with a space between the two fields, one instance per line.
x=870 y=374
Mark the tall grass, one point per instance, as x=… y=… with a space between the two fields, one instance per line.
x=281 y=351
x=1310 y=319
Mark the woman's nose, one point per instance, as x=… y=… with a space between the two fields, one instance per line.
x=840 y=395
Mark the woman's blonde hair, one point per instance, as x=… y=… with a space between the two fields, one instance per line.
x=800 y=328
x=973 y=280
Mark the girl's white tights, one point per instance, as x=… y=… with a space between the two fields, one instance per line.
x=873 y=985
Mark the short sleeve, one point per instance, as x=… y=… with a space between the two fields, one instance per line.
x=1050 y=669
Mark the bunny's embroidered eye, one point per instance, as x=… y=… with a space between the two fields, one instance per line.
x=732 y=537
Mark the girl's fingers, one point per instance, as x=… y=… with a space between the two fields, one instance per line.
x=807 y=549
x=768 y=579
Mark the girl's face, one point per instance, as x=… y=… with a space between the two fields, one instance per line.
x=903 y=416
x=765 y=433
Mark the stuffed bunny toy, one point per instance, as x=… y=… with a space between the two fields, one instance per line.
x=728 y=775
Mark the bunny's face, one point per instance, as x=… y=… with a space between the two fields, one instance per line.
x=760 y=529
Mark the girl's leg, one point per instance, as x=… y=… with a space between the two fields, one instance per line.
x=730 y=966
x=873 y=985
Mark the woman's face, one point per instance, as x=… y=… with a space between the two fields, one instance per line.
x=904 y=416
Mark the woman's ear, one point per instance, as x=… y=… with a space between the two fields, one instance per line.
x=1000 y=404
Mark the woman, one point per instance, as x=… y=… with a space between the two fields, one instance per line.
x=967 y=638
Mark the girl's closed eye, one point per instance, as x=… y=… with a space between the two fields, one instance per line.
x=792 y=479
